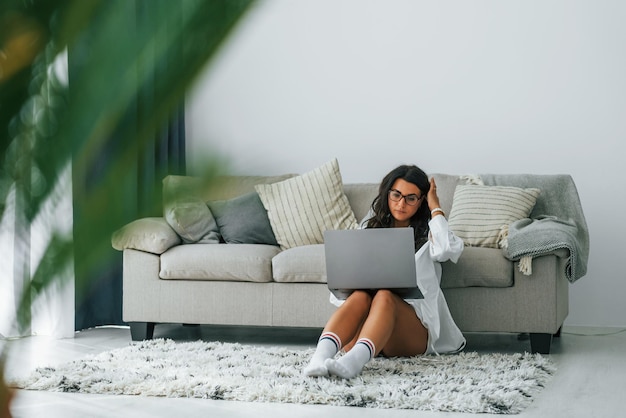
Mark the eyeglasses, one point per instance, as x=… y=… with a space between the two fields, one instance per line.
x=410 y=199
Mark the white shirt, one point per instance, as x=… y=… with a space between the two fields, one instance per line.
x=443 y=334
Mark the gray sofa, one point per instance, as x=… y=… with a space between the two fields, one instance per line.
x=166 y=280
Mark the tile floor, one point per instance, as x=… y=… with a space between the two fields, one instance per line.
x=590 y=380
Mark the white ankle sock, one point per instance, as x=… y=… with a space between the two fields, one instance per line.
x=353 y=362
x=327 y=346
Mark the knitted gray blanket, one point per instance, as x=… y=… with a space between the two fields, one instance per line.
x=557 y=221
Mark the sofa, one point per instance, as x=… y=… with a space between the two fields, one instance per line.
x=218 y=254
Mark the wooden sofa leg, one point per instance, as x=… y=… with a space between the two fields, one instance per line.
x=540 y=343
x=141 y=330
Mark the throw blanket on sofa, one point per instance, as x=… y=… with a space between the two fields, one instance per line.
x=557 y=221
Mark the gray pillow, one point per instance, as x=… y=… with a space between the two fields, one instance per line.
x=243 y=220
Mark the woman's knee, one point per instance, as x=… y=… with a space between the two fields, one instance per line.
x=361 y=298
x=385 y=297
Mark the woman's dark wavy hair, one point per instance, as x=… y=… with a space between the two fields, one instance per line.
x=380 y=206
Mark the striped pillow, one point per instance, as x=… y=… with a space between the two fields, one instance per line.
x=479 y=213
x=301 y=208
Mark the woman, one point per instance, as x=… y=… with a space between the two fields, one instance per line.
x=372 y=323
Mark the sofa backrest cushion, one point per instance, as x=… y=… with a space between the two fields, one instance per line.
x=360 y=196
x=216 y=188
x=446 y=184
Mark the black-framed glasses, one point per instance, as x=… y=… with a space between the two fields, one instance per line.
x=410 y=199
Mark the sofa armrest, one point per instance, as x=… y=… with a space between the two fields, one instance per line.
x=153 y=235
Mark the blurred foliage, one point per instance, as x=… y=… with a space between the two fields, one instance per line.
x=46 y=126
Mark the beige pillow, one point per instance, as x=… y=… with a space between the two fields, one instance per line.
x=479 y=213
x=192 y=220
x=152 y=235
x=301 y=208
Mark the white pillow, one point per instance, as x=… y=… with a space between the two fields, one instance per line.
x=479 y=213
x=301 y=208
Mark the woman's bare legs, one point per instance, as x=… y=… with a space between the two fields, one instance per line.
x=394 y=327
x=349 y=318
x=343 y=325
x=391 y=326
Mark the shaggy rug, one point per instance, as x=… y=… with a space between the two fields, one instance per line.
x=466 y=382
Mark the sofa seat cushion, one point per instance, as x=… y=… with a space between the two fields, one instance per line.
x=300 y=264
x=233 y=262
x=478 y=266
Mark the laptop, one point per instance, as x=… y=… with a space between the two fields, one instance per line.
x=368 y=259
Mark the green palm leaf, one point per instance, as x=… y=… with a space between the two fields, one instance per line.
x=46 y=127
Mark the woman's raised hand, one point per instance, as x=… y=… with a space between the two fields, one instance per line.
x=432 y=197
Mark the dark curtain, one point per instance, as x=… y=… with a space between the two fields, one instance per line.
x=99 y=286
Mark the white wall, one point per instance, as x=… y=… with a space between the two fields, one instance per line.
x=452 y=86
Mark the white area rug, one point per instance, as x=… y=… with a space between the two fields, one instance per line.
x=466 y=382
